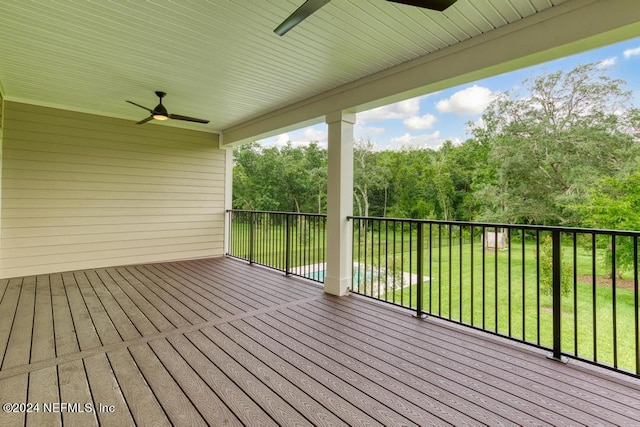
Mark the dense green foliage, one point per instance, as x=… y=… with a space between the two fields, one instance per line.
x=280 y=179
x=549 y=149
x=569 y=144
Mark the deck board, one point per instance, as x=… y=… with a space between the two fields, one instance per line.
x=445 y=389
x=19 y=346
x=141 y=400
x=176 y=404
x=399 y=399
x=237 y=294
x=406 y=387
x=122 y=323
x=74 y=390
x=43 y=388
x=467 y=391
x=14 y=390
x=240 y=289
x=220 y=342
x=208 y=288
x=212 y=408
x=269 y=377
x=134 y=313
x=187 y=307
x=512 y=361
x=3 y=287
x=104 y=325
x=8 y=313
x=172 y=310
x=470 y=370
x=203 y=306
x=229 y=393
x=65 y=334
x=303 y=379
x=43 y=339
x=426 y=360
x=239 y=385
x=105 y=391
x=149 y=310
x=83 y=323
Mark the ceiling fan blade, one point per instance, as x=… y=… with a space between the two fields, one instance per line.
x=143 y=121
x=438 y=5
x=303 y=12
x=187 y=118
x=141 y=106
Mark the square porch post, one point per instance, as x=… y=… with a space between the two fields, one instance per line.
x=228 y=195
x=339 y=202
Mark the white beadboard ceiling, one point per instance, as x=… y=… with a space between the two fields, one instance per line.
x=218 y=59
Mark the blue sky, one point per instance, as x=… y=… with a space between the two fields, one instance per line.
x=429 y=120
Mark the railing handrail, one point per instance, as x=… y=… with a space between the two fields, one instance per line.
x=532 y=227
x=277 y=212
x=260 y=236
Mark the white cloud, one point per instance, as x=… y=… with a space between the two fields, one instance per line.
x=313 y=134
x=282 y=139
x=609 y=62
x=631 y=52
x=467 y=102
x=372 y=130
x=480 y=124
x=431 y=140
x=366 y=132
x=420 y=123
x=298 y=138
x=399 y=110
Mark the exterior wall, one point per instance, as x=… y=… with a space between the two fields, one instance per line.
x=83 y=191
x=1 y=133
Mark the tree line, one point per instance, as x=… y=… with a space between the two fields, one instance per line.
x=565 y=153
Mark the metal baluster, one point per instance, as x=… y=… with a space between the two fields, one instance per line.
x=556 y=295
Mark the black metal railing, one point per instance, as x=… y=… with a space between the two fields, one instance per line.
x=569 y=290
x=294 y=243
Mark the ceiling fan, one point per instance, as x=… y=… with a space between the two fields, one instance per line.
x=310 y=6
x=161 y=113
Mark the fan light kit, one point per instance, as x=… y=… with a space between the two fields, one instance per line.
x=161 y=113
x=310 y=6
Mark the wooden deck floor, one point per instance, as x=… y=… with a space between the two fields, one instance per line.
x=219 y=342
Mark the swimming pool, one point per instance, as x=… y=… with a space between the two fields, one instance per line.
x=371 y=282
x=316 y=275
x=319 y=275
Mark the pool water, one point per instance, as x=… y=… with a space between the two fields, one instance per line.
x=319 y=275
x=316 y=275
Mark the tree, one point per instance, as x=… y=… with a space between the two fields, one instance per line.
x=286 y=179
x=368 y=175
x=614 y=203
x=252 y=179
x=316 y=167
x=412 y=189
x=548 y=147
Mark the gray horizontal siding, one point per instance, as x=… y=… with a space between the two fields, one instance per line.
x=85 y=191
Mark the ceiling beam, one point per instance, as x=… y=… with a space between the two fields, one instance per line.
x=569 y=28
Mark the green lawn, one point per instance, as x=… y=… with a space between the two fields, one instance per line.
x=307 y=240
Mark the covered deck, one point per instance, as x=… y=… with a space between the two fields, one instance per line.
x=216 y=341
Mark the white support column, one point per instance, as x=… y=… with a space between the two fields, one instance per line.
x=228 y=193
x=339 y=202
